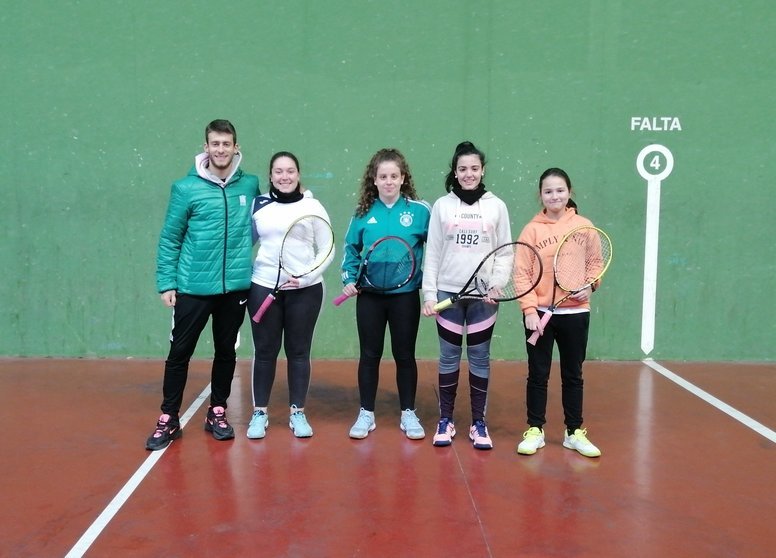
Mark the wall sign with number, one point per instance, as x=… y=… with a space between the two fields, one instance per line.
x=654 y=163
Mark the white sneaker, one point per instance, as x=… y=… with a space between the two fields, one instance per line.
x=410 y=425
x=578 y=441
x=533 y=439
x=364 y=424
x=257 y=428
x=445 y=432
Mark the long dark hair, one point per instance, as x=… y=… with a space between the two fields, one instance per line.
x=560 y=173
x=463 y=148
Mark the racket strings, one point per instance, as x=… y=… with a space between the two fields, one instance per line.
x=511 y=271
x=582 y=259
x=527 y=270
x=390 y=264
x=496 y=275
x=306 y=246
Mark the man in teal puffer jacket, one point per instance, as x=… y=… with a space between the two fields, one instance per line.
x=203 y=269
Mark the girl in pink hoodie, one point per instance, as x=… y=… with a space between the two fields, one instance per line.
x=568 y=326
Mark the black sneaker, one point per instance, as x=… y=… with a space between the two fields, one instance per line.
x=168 y=428
x=216 y=423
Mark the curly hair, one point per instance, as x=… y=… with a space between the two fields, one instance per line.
x=368 y=191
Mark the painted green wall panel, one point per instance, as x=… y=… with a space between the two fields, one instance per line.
x=104 y=105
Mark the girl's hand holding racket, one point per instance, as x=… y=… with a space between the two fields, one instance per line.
x=534 y=323
x=582 y=258
x=350 y=290
x=509 y=272
x=307 y=245
x=388 y=264
x=428 y=308
x=292 y=283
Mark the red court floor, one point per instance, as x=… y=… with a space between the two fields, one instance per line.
x=678 y=476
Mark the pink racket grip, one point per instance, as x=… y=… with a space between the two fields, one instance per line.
x=263 y=308
x=340 y=299
x=543 y=322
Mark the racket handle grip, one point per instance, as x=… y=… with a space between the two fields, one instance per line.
x=263 y=308
x=543 y=322
x=340 y=299
x=439 y=306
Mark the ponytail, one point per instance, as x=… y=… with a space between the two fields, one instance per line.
x=463 y=148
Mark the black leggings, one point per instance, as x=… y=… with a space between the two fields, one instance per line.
x=401 y=313
x=569 y=331
x=190 y=315
x=289 y=321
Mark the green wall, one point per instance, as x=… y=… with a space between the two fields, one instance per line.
x=104 y=105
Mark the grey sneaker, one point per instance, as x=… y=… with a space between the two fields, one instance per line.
x=257 y=428
x=364 y=424
x=297 y=422
x=410 y=425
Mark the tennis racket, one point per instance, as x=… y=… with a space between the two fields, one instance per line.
x=306 y=246
x=582 y=258
x=388 y=264
x=506 y=273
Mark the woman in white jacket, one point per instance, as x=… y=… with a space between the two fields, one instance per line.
x=466 y=224
x=291 y=319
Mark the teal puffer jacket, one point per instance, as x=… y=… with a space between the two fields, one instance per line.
x=205 y=246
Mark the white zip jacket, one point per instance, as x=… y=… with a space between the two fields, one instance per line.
x=270 y=223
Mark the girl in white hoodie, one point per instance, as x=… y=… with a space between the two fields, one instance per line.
x=466 y=224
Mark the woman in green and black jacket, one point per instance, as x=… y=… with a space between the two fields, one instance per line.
x=388 y=205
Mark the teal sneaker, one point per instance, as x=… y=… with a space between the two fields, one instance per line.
x=257 y=428
x=364 y=424
x=410 y=425
x=297 y=422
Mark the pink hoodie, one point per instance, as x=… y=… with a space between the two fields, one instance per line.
x=544 y=234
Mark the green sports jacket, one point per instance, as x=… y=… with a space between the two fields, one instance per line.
x=205 y=244
x=407 y=219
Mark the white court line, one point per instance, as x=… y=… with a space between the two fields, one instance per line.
x=120 y=499
x=746 y=420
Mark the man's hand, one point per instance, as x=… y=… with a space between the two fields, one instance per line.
x=168 y=298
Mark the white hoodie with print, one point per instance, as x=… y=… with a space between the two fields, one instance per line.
x=459 y=236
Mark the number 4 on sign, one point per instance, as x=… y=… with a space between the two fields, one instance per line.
x=654 y=180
